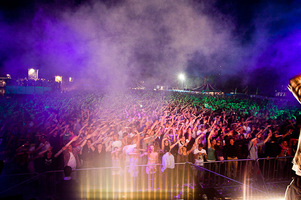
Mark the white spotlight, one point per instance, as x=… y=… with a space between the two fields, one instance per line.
x=181 y=77
x=33 y=74
x=31 y=71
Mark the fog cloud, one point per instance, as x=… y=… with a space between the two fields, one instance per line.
x=135 y=40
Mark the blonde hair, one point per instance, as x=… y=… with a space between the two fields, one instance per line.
x=297 y=157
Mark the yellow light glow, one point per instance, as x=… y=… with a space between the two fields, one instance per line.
x=295 y=87
x=33 y=74
x=58 y=79
x=31 y=71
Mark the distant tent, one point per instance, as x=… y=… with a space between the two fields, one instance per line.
x=207 y=88
x=138 y=85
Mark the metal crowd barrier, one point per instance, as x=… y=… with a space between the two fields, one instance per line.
x=262 y=169
x=133 y=182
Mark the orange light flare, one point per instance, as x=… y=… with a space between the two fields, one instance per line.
x=295 y=87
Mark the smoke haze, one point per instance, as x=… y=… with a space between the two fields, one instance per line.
x=117 y=44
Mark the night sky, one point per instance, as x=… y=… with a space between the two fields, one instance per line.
x=114 y=43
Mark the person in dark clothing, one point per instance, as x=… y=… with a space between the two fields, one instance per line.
x=231 y=150
x=99 y=155
x=219 y=150
x=55 y=140
x=242 y=146
x=88 y=153
x=48 y=161
x=272 y=148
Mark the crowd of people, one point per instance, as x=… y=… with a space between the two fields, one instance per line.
x=90 y=129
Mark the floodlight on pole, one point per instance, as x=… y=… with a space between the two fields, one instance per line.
x=33 y=74
x=182 y=78
x=58 y=79
x=31 y=71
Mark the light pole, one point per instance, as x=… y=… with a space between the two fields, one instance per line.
x=59 y=80
x=33 y=74
x=182 y=79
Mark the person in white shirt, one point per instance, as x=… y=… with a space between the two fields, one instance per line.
x=126 y=151
x=129 y=148
x=247 y=128
x=168 y=162
x=71 y=157
x=116 y=142
x=200 y=155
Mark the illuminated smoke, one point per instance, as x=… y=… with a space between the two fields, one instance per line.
x=132 y=40
x=114 y=45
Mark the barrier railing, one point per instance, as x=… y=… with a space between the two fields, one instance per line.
x=276 y=169
x=138 y=181
x=247 y=177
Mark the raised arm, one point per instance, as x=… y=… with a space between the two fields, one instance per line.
x=211 y=127
x=192 y=148
x=197 y=139
x=154 y=124
x=172 y=146
x=162 y=143
x=138 y=140
x=82 y=129
x=189 y=135
x=209 y=137
x=180 y=132
x=196 y=124
x=54 y=129
x=269 y=136
x=85 y=140
x=66 y=146
x=287 y=133
x=65 y=130
x=268 y=126
x=42 y=152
